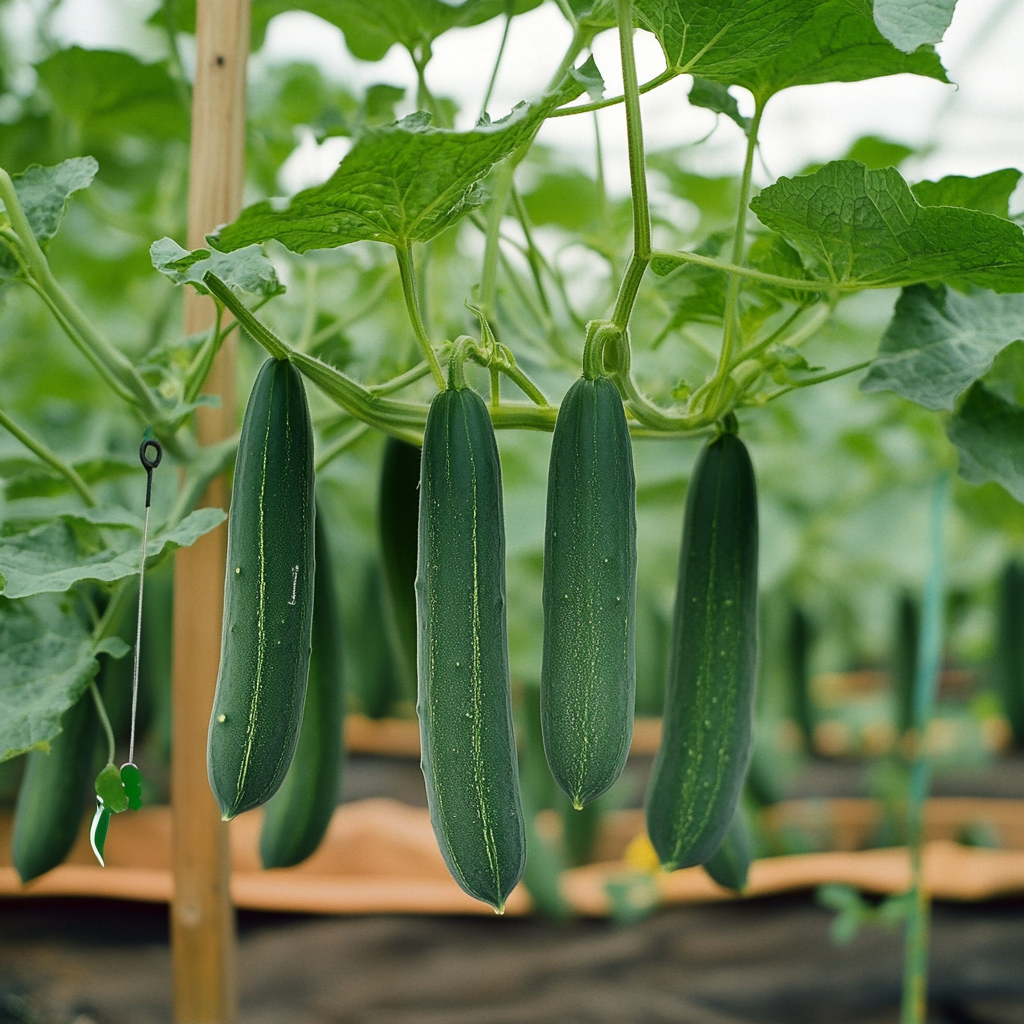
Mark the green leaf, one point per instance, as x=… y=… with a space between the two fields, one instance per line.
x=371 y=27
x=46 y=661
x=988 y=433
x=854 y=225
x=404 y=182
x=939 y=342
x=244 y=270
x=875 y=152
x=715 y=96
x=107 y=92
x=908 y=24
x=989 y=193
x=44 y=193
x=54 y=557
x=770 y=47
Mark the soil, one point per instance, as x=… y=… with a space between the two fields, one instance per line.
x=768 y=960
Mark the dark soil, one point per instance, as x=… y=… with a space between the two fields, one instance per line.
x=79 y=962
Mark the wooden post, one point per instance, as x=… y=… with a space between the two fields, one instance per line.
x=202 y=918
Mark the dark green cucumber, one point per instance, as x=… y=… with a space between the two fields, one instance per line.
x=588 y=673
x=376 y=685
x=298 y=814
x=729 y=865
x=706 y=736
x=398 y=519
x=268 y=596
x=904 y=668
x=464 y=700
x=53 y=793
x=1009 y=647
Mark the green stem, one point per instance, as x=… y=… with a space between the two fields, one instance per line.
x=929 y=660
x=509 y=12
x=732 y=293
x=820 y=379
x=104 y=720
x=200 y=367
x=797 y=338
x=53 y=460
x=408 y=275
x=666 y=76
x=796 y=284
x=344 y=442
x=641 y=255
x=418 y=372
x=174 y=54
x=503 y=181
x=117 y=369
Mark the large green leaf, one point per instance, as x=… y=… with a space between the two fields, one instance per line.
x=95 y=544
x=112 y=93
x=989 y=193
x=988 y=432
x=46 y=660
x=44 y=193
x=371 y=27
x=246 y=270
x=939 y=342
x=767 y=47
x=908 y=24
x=29 y=478
x=865 y=227
x=404 y=182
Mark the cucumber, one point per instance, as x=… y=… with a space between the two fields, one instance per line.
x=268 y=596
x=1009 y=647
x=398 y=520
x=588 y=672
x=377 y=688
x=706 y=737
x=53 y=793
x=729 y=865
x=905 y=661
x=464 y=700
x=298 y=814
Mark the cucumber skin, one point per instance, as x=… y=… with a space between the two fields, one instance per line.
x=53 y=793
x=299 y=813
x=464 y=700
x=588 y=673
x=729 y=865
x=706 y=740
x=268 y=596
x=398 y=520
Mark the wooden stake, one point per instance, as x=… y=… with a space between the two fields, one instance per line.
x=202 y=918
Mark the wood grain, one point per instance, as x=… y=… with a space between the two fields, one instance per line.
x=202 y=916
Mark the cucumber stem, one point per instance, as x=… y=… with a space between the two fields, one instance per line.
x=405 y=268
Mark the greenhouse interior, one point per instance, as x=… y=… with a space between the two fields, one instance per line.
x=511 y=511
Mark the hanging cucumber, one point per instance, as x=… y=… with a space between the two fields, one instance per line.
x=464 y=702
x=706 y=739
x=1009 y=647
x=729 y=865
x=268 y=596
x=905 y=661
x=298 y=814
x=588 y=673
x=398 y=519
x=53 y=792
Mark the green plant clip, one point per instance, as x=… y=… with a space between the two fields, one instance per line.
x=98 y=830
x=131 y=779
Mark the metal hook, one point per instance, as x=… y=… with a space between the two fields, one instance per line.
x=150 y=463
